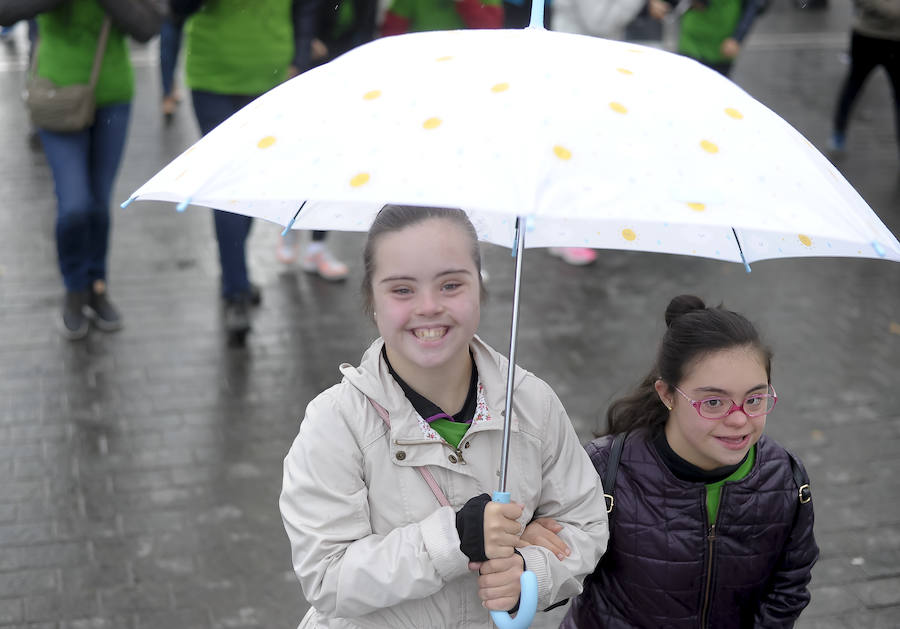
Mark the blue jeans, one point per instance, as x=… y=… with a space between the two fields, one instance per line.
x=169 y=45
x=84 y=165
x=231 y=229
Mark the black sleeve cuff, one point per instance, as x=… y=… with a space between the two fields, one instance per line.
x=524 y=567
x=470 y=526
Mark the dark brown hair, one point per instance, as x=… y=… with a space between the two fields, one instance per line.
x=394 y=218
x=693 y=331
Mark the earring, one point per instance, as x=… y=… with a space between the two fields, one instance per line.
x=667 y=406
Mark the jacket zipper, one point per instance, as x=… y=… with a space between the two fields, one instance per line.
x=710 y=549
x=419 y=442
x=710 y=555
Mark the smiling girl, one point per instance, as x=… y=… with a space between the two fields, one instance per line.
x=373 y=544
x=710 y=526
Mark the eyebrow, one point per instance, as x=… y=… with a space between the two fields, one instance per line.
x=409 y=278
x=718 y=391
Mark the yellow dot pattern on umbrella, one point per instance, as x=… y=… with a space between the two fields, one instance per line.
x=432 y=123
x=709 y=147
x=359 y=180
x=624 y=71
x=562 y=152
x=444 y=58
x=805 y=240
x=629 y=235
x=619 y=108
x=266 y=142
x=500 y=87
x=697 y=207
x=372 y=95
x=731 y=112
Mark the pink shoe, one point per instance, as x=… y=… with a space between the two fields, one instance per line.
x=576 y=256
x=325 y=265
x=288 y=248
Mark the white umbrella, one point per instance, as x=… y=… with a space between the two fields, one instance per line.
x=572 y=140
x=599 y=143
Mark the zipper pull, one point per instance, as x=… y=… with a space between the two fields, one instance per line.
x=711 y=534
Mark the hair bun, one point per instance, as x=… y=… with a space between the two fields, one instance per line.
x=682 y=304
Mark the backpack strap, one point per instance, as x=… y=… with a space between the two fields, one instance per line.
x=424 y=471
x=803 y=492
x=612 y=468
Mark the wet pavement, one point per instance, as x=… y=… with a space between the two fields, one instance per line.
x=140 y=470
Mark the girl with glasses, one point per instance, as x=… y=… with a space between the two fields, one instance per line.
x=711 y=523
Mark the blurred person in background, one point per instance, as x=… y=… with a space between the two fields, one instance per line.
x=599 y=18
x=875 y=41
x=169 y=47
x=236 y=51
x=410 y=16
x=712 y=31
x=340 y=25
x=84 y=163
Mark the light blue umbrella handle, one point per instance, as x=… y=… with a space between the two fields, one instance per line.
x=527 y=597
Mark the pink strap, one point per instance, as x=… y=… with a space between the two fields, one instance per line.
x=426 y=474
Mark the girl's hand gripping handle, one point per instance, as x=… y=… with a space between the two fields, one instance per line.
x=527 y=597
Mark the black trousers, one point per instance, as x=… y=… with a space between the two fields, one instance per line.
x=867 y=53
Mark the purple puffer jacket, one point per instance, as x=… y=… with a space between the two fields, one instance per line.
x=666 y=567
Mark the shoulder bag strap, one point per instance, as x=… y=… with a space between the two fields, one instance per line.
x=426 y=474
x=803 y=491
x=612 y=468
x=101 y=50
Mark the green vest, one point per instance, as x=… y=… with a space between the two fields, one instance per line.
x=239 y=46
x=703 y=31
x=68 y=43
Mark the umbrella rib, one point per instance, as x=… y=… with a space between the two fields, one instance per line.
x=741 y=250
x=291 y=222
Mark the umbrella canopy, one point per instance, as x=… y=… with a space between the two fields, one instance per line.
x=599 y=143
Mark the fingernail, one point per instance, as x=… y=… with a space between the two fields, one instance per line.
x=568 y=551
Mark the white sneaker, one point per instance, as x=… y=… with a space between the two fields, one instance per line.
x=322 y=262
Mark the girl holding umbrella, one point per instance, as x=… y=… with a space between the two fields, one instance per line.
x=372 y=543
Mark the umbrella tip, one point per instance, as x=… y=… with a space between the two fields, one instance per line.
x=181 y=207
x=126 y=203
x=878 y=249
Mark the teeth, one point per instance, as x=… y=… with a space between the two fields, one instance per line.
x=430 y=334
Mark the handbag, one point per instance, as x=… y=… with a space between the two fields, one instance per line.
x=66 y=108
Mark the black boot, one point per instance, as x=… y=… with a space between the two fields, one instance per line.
x=101 y=310
x=74 y=322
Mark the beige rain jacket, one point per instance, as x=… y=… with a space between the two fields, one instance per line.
x=370 y=543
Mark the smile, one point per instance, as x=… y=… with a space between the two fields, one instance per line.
x=430 y=334
x=734 y=443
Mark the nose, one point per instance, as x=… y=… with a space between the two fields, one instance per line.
x=429 y=302
x=737 y=417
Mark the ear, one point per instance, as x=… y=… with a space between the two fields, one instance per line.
x=662 y=390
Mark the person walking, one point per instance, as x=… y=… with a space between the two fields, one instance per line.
x=375 y=545
x=84 y=162
x=874 y=41
x=712 y=31
x=340 y=26
x=236 y=51
x=723 y=513
x=411 y=16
